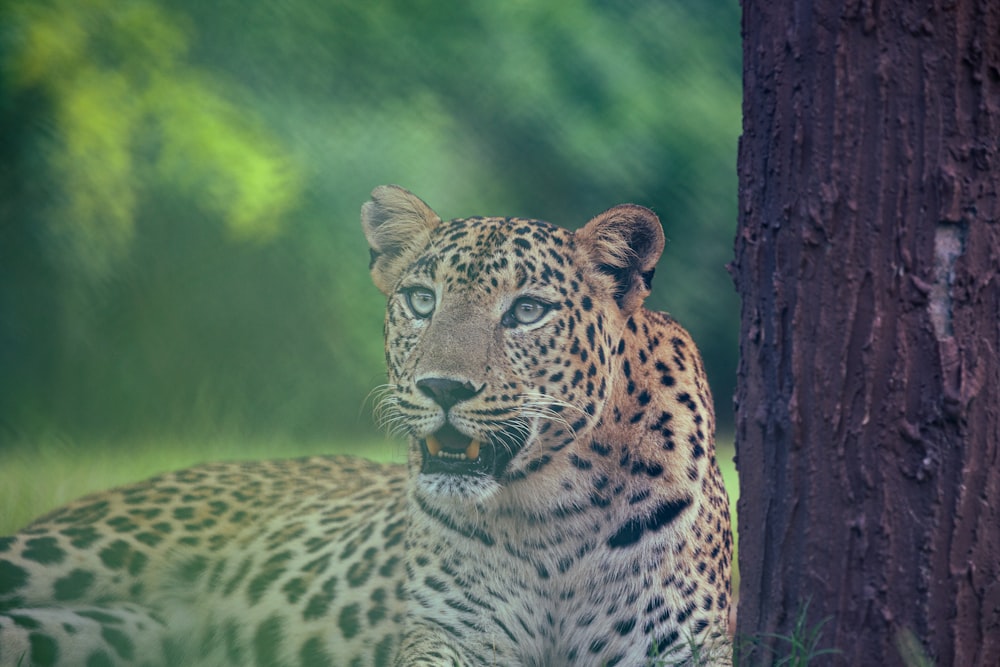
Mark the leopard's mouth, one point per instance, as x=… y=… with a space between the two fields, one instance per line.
x=450 y=451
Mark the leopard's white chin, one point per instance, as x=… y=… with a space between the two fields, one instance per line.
x=445 y=488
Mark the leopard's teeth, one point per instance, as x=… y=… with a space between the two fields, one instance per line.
x=472 y=451
x=434 y=448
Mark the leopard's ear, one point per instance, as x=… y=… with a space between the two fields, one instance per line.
x=624 y=243
x=397 y=225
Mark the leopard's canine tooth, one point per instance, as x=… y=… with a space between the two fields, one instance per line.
x=472 y=451
x=433 y=445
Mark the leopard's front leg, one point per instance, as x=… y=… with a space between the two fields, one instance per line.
x=426 y=645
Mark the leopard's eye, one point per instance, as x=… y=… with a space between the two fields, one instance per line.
x=421 y=301
x=525 y=311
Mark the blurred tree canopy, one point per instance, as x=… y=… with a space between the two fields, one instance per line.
x=180 y=184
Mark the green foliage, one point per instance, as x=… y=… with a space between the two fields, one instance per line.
x=180 y=185
x=910 y=650
x=798 y=649
x=128 y=110
x=714 y=649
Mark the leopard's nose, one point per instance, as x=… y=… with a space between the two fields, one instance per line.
x=447 y=392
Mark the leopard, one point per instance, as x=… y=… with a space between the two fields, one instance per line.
x=560 y=502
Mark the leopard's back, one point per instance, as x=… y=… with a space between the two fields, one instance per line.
x=269 y=562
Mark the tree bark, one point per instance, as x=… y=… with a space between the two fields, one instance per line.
x=868 y=261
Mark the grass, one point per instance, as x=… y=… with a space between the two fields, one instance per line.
x=39 y=476
x=802 y=646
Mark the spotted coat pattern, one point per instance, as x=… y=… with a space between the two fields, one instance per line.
x=561 y=503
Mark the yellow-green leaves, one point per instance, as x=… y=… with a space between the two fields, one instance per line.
x=217 y=154
x=131 y=115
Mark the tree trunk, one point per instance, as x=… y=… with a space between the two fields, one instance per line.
x=868 y=261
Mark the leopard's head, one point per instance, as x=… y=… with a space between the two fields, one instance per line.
x=500 y=333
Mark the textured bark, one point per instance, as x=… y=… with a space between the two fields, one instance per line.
x=868 y=261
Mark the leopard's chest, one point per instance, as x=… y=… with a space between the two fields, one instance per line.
x=523 y=591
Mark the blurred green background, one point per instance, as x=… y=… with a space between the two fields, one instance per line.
x=180 y=253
